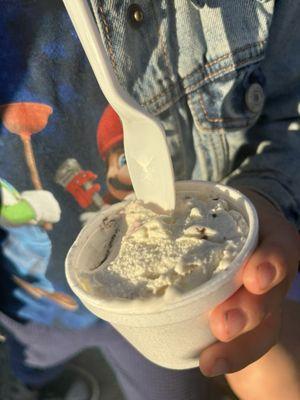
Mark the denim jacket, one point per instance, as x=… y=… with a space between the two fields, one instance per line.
x=224 y=79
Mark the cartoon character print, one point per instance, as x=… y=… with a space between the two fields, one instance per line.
x=111 y=149
x=26 y=119
x=34 y=207
x=27 y=216
x=80 y=183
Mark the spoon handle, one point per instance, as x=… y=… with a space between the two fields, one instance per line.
x=91 y=40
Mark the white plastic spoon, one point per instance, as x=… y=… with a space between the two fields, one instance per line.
x=146 y=150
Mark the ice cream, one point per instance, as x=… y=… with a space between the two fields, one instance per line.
x=150 y=254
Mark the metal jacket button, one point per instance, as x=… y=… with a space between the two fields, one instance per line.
x=255 y=97
x=135 y=15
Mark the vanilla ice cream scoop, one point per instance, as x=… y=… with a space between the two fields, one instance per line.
x=152 y=254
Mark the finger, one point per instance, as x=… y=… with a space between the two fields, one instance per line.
x=271 y=263
x=244 y=311
x=221 y=358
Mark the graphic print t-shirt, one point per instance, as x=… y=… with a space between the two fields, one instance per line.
x=61 y=159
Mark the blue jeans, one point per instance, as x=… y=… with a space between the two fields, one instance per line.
x=138 y=377
x=47 y=349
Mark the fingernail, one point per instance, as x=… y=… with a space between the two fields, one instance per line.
x=220 y=367
x=235 y=321
x=266 y=275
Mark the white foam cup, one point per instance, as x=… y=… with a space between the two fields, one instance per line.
x=169 y=332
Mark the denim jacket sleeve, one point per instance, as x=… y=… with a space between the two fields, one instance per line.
x=271 y=151
x=223 y=77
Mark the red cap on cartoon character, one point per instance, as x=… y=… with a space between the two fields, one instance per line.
x=109 y=131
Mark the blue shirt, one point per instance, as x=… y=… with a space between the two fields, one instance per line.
x=42 y=62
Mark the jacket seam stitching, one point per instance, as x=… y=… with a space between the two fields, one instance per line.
x=170 y=70
x=220 y=71
x=106 y=32
x=210 y=76
x=227 y=55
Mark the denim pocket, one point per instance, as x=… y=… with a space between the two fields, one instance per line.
x=234 y=100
